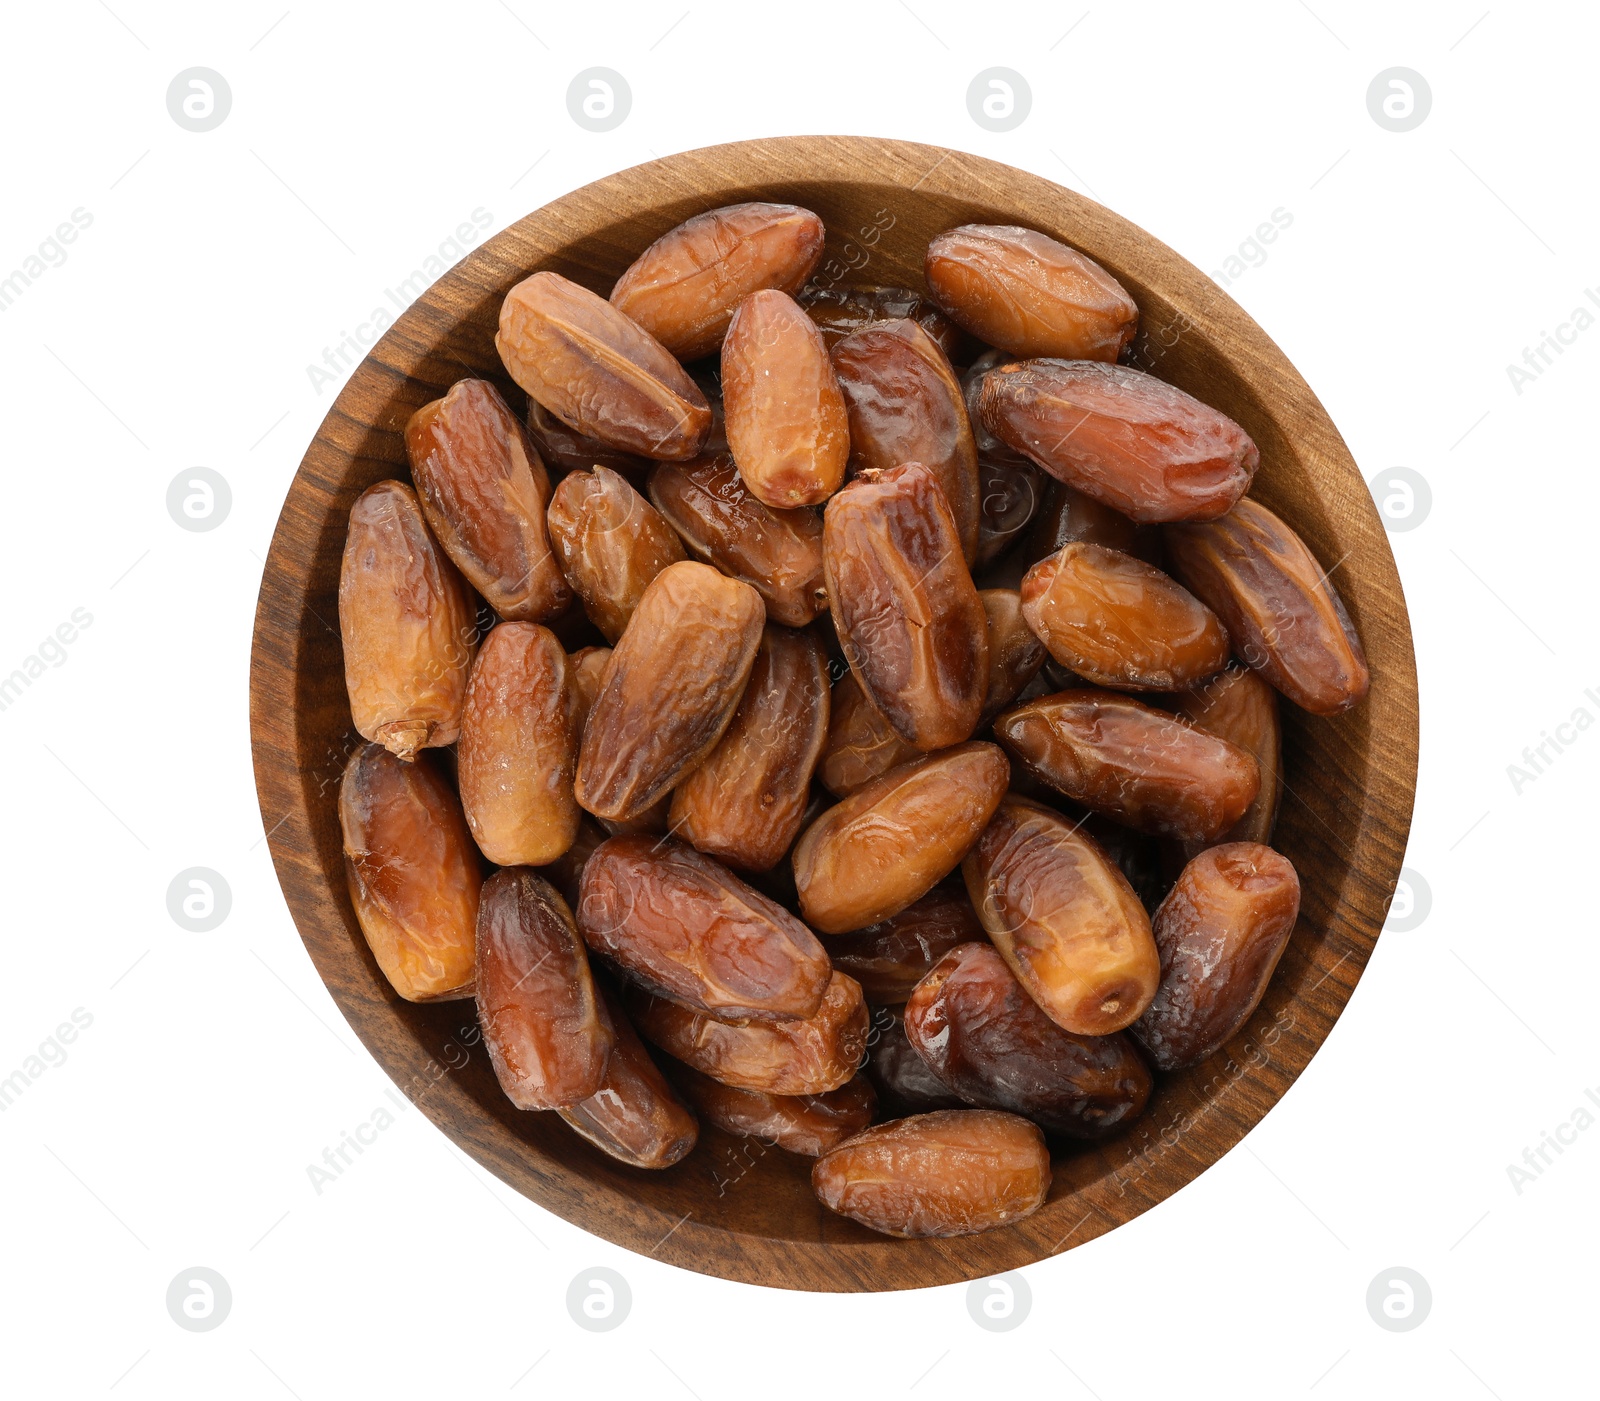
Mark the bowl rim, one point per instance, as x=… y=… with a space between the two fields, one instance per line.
x=1323 y=973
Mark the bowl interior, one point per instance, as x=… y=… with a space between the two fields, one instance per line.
x=735 y=1207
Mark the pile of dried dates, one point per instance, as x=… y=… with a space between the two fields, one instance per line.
x=911 y=876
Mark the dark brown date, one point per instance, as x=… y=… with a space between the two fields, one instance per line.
x=567 y=450
x=1069 y=515
x=566 y=873
x=861 y=743
x=1015 y=654
x=1286 y=618
x=904 y=1083
x=890 y=958
x=1238 y=706
x=805 y=1124
x=841 y=311
x=1221 y=932
x=1010 y=495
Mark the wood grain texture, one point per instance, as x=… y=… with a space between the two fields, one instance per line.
x=733 y=1208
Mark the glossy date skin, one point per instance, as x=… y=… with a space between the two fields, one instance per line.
x=891 y=957
x=1131 y=441
x=669 y=690
x=545 y=1028
x=1064 y=918
x=892 y=841
x=778 y=553
x=809 y=1057
x=1116 y=621
x=786 y=421
x=1069 y=515
x=904 y=1083
x=1221 y=932
x=1015 y=653
x=909 y=619
x=484 y=492
x=1142 y=766
x=599 y=372
x=861 y=744
x=841 y=311
x=1286 y=618
x=681 y=925
x=519 y=743
x=744 y=803
x=981 y=1034
x=905 y=405
x=1029 y=294
x=635 y=1116
x=413 y=873
x=610 y=543
x=566 y=450
x=805 y=1124
x=1238 y=706
x=407 y=622
x=950 y=1173
x=684 y=287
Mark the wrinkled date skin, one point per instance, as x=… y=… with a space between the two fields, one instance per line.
x=805 y=1124
x=890 y=958
x=1131 y=441
x=950 y=1173
x=1010 y=495
x=909 y=619
x=1238 y=706
x=1064 y=918
x=808 y=1057
x=684 y=287
x=610 y=543
x=681 y=925
x=1028 y=294
x=519 y=743
x=599 y=372
x=1221 y=932
x=743 y=805
x=786 y=420
x=892 y=841
x=634 y=1116
x=1287 y=619
x=566 y=450
x=413 y=873
x=778 y=553
x=861 y=743
x=587 y=667
x=904 y=1083
x=1069 y=515
x=1015 y=654
x=484 y=491
x=984 y=1037
x=546 y=1030
x=842 y=311
x=407 y=622
x=905 y=405
x=1117 y=621
x=1142 y=766
x=669 y=690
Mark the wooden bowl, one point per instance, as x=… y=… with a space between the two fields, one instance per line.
x=734 y=1208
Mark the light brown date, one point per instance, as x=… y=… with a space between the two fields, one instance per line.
x=984 y=1037
x=1287 y=619
x=861 y=743
x=599 y=372
x=1117 y=621
x=587 y=666
x=805 y=1124
x=1015 y=654
x=567 y=450
x=1238 y=706
x=635 y=1116
x=1029 y=294
x=1131 y=441
x=951 y=1173
x=892 y=841
x=841 y=311
x=519 y=742
x=1221 y=932
x=778 y=553
x=1064 y=918
x=891 y=957
x=610 y=543
x=484 y=491
x=743 y=805
x=547 y=1033
x=407 y=623
x=413 y=873
x=908 y=617
x=808 y=1057
x=684 y=287
x=904 y=1083
x=905 y=405
x=669 y=690
x=1010 y=495
x=786 y=420
x=1142 y=766
x=681 y=925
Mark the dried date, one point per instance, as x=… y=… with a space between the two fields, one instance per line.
x=841 y=311
x=861 y=743
x=805 y=1124
x=891 y=957
x=1015 y=653
x=1238 y=706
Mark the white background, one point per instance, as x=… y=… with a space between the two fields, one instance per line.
x=177 y=334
